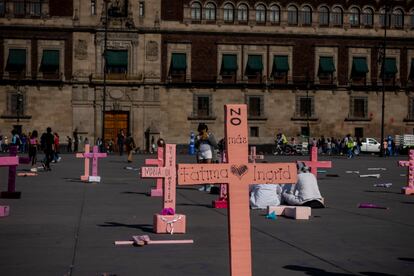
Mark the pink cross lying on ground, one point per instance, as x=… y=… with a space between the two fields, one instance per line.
x=12 y=162
x=314 y=164
x=238 y=174
x=409 y=189
x=159 y=162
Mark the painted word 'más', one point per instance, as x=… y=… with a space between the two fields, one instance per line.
x=270 y=176
x=238 y=140
x=204 y=174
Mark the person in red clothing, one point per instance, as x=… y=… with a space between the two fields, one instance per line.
x=56 y=157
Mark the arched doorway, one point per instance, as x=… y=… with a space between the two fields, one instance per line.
x=114 y=122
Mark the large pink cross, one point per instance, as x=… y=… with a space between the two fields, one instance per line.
x=85 y=176
x=95 y=155
x=238 y=173
x=253 y=156
x=409 y=189
x=221 y=202
x=159 y=162
x=314 y=164
x=167 y=173
x=11 y=163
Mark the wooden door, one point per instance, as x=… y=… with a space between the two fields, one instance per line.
x=114 y=122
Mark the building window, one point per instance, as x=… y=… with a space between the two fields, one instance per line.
x=210 y=12
x=389 y=68
x=306 y=15
x=242 y=13
x=254 y=68
x=410 y=108
x=324 y=16
x=280 y=68
x=359 y=132
x=305 y=107
x=275 y=14
x=368 y=17
x=35 y=8
x=359 y=68
x=196 y=11
x=304 y=131
x=93 y=7
x=412 y=19
x=49 y=65
x=359 y=107
x=354 y=17
x=16 y=104
x=326 y=69
x=337 y=16
x=260 y=14
x=229 y=68
x=141 y=9
x=116 y=62
x=2 y=8
x=228 y=13
x=254 y=131
x=292 y=15
x=411 y=74
x=19 y=8
x=16 y=62
x=398 y=19
x=178 y=67
x=202 y=107
x=385 y=16
x=255 y=106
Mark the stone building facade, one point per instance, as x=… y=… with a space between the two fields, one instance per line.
x=301 y=66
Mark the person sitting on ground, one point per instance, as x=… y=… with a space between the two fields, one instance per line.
x=264 y=195
x=305 y=192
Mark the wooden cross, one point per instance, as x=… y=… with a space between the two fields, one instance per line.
x=238 y=173
x=12 y=164
x=314 y=164
x=409 y=189
x=159 y=162
x=85 y=176
x=95 y=155
x=167 y=173
x=253 y=155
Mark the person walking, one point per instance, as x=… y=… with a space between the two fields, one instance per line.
x=69 y=147
x=205 y=144
x=121 y=141
x=75 y=140
x=56 y=152
x=129 y=146
x=350 y=146
x=49 y=146
x=33 y=147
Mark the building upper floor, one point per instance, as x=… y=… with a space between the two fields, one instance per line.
x=299 y=17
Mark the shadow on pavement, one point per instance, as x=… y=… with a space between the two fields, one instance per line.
x=315 y=271
x=69 y=179
x=382 y=192
x=407 y=202
x=135 y=193
x=406 y=259
x=144 y=227
x=196 y=205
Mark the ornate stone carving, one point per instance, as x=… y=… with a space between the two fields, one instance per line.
x=81 y=49
x=152 y=50
x=116 y=94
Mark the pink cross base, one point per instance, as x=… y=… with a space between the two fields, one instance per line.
x=409 y=189
x=12 y=162
x=314 y=164
x=159 y=162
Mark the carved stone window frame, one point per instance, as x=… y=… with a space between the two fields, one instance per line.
x=360 y=52
x=281 y=51
x=25 y=44
x=229 y=50
x=51 y=45
x=179 y=48
x=326 y=52
x=390 y=53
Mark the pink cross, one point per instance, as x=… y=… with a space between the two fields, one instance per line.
x=409 y=189
x=221 y=202
x=85 y=176
x=238 y=174
x=12 y=164
x=253 y=155
x=314 y=164
x=167 y=173
x=159 y=162
x=95 y=155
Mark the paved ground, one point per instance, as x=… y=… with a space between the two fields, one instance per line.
x=61 y=226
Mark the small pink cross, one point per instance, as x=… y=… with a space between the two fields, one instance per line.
x=12 y=164
x=95 y=155
x=159 y=162
x=253 y=155
x=409 y=189
x=167 y=173
x=314 y=164
x=85 y=176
